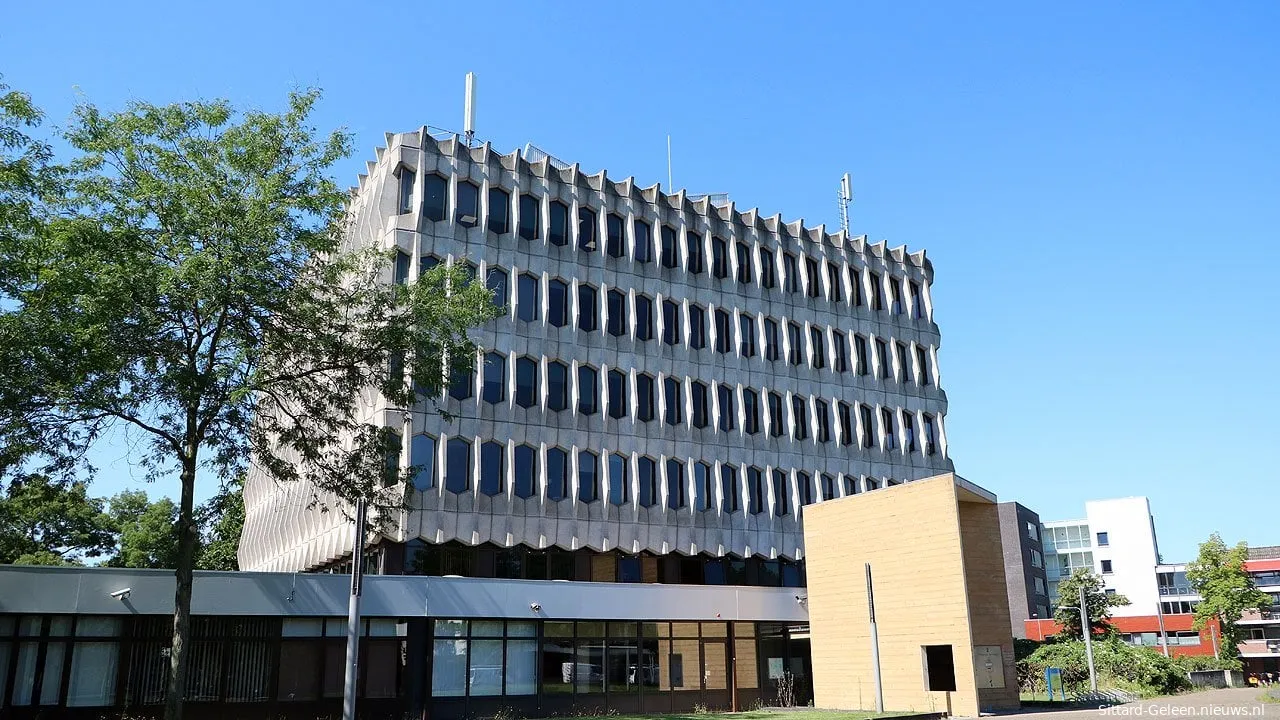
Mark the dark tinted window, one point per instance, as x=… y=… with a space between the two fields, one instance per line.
x=790 y=273
x=922 y=363
x=824 y=420
x=750 y=411
x=886 y=423
x=558 y=232
x=467 y=213
x=499 y=211
x=868 y=427
x=557 y=386
x=699 y=392
x=693 y=246
x=491 y=470
x=767 y=271
x=644 y=318
x=670 y=322
x=781 y=494
x=495 y=378
x=403 y=261
x=587 y=312
x=586 y=229
x=895 y=295
x=746 y=335
x=530 y=222
x=817 y=348
x=813 y=282
x=526 y=471
x=527 y=298
x=800 y=417
x=730 y=495
x=842 y=351
x=697 y=328
x=644 y=241
x=828 y=487
x=725 y=400
x=461 y=382
x=557 y=303
x=833 y=279
x=644 y=397
x=755 y=490
x=526 y=382
x=703 y=486
x=457 y=466
x=497 y=284
x=435 y=197
x=619 y=484
x=744 y=263
x=917 y=301
x=672 y=401
x=557 y=474
x=617 y=318
x=616 y=244
x=795 y=348
x=805 y=485
x=775 y=414
x=882 y=358
x=722 y=331
x=770 y=340
x=860 y=351
x=719 y=258
x=588 y=392
x=846 y=423
x=904 y=363
x=877 y=292
x=909 y=432
x=647 y=479
x=930 y=436
x=406 y=190
x=617 y=394
x=676 y=489
x=670 y=254
x=855 y=282
x=588 y=478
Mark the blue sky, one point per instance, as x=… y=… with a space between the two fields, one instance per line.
x=1097 y=185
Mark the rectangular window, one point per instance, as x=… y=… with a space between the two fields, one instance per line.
x=930 y=436
x=724 y=399
x=467 y=211
x=403 y=260
x=722 y=331
x=824 y=421
x=799 y=417
x=895 y=295
x=615 y=243
x=587 y=390
x=828 y=487
x=616 y=321
x=557 y=303
x=775 y=415
x=877 y=292
x=643 y=250
x=719 y=258
x=617 y=394
x=744 y=264
x=909 y=430
x=781 y=494
x=817 y=348
x=676 y=490
x=587 y=313
x=882 y=359
x=767 y=271
x=855 y=287
x=619 y=485
x=699 y=393
x=791 y=273
x=693 y=252
x=672 y=401
x=499 y=212
x=846 y=423
x=703 y=490
x=750 y=411
x=841 y=361
x=746 y=335
x=860 y=351
x=813 y=284
x=917 y=302
x=1033 y=531
x=794 y=351
x=586 y=229
x=755 y=491
x=529 y=224
x=670 y=323
x=868 y=427
x=588 y=484
x=1103 y=539
x=922 y=364
x=644 y=397
x=557 y=386
x=435 y=197
x=670 y=253
x=697 y=328
x=833 y=280
x=1106 y=566
x=904 y=363
x=527 y=298
x=644 y=318
x=406 y=190
x=1036 y=559
x=558 y=233
x=770 y=340
x=729 y=493
x=886 y=425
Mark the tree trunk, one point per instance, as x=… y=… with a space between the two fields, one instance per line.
x=182 y=595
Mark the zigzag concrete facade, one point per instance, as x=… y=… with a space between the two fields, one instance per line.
x=743 y=367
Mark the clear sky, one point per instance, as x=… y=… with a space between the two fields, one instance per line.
x=1097 y=185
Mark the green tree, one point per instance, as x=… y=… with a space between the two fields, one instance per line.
x=197 y=290
x=49 y=523
x=222 y=520
x=1226 y=590
x=148 y=531
x=1097 y=601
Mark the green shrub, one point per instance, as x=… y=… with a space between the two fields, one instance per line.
x=1136 y=669
x=1192 y=663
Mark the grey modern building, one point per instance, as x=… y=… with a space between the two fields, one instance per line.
x=1023 y=565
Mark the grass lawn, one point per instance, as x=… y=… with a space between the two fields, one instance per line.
x=761 y=715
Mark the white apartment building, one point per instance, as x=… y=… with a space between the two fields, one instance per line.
x=1117 y=540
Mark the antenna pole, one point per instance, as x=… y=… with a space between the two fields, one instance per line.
x=469 y=110
x=670 y=185
x=846 y=197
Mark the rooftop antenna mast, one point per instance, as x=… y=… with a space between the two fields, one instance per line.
x=469 y=110
x=846 y=197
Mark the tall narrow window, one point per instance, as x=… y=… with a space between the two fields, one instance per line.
x=776 y=424
x=406 y=190
x=770 y=340
x=930 y=436
x=834 y=281
x=644 y=318
x=617 y=320
x=767 y=271
x=909 y=431
x=781 y=494
x=643 y=251
x=527 y=297
x=670 y=254
x=904 y=362
x=868 y=427
x=525 y=468
x=828 y=487
x=557 y=474
x=855 y=287
x=886 y=426
x=588 y=392
x=435 y=197
x=744 y=264
x=670 y=322
x=588 y=478
x=467 y=210
x=619 y=485
x=422 y=458
x=530 y=222
x=697 y=328
x=877 y=292
x=558 y=230
x=719 y=258
x=800 y=417
x=495 y=378
x=824 y=421
x=491 y=469
x=730 y=494
x=497 y=284
x=841 y=362
x=922 y=364
x=587 y=229
x=499 y=211
x=724 y=398
x=917 y=301
x=615 y=243
x=672 y=401
x=882 y=358
x=846 y=423
x=587 y=312
x=617 y=394
x=817 y=348
x=557 y=303
x=557 y=386
x=403 y=261
x=647 y=481
x=693 y=251
x=526 y=382
x=676 y=489
x=860 y=351
x=746 y=335
x=750 y=411
x=699 y=393
x=755 y=490
x=644 y=397
x=805 y=484
x=703 y=486
x=461 y=382
x=722 y=331
x=457 y=466
x=895 y=295
x=850 y=485
x=790 y=273
x=813 y=284
x=795 y=351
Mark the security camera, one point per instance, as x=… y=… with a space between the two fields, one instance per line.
x=122 y=594
x=535 y=607
x=800 y=599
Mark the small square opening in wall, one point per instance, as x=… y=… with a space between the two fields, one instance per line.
x=1106 y=566
x=939 y=668
x=1103 y=540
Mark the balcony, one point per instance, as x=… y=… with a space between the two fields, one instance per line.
x=1259 y=617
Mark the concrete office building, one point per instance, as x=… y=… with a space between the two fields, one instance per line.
x=673 y=383
x=1023 y=565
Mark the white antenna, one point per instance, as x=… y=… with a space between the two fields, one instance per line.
x=846 y=197
x=670 y=187
x=469 y=110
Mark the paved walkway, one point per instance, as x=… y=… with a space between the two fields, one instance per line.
x=1229 y=703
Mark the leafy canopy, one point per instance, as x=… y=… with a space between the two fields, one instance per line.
x=49 y=523
x=1097 y=601
x=1225 y=588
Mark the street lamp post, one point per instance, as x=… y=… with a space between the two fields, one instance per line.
x=1088 y=640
